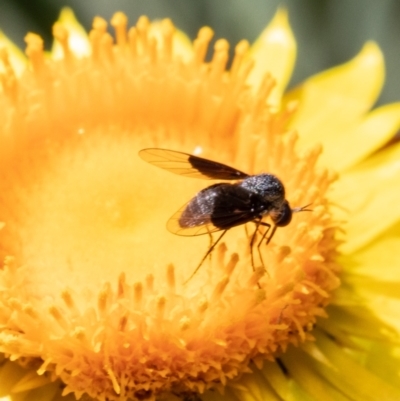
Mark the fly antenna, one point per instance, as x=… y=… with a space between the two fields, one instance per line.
x=302 y=209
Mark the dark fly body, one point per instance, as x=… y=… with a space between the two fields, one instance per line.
x=222 y=206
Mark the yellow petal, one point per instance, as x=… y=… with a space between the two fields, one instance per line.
x=361 y=138
x=30 y=381
x=253 y=388
x=380 y=361
x=331 y=100
x=370 y=194
x=349 y=377
x=16 y=57
x=274 y=375
x=10 y=373
x=388 y=309
x=274 y=52
x=78 y=40
x=303 y=370
x=382 y=252
x=357 y=320
x=373 y=273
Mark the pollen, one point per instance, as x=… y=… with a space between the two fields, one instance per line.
x=94 y=288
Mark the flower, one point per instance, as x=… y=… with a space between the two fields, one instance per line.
x=94 y=290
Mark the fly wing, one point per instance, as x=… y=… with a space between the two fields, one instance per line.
x=218 y=207
x=190 y=227
x=189 y=165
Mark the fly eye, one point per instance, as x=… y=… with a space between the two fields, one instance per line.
x=284 y=217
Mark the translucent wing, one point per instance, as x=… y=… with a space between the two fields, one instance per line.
x=231 y=220
x=190 y=166
x=222 y=212
x=174 y=226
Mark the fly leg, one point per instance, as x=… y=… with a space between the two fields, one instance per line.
x=268 y=239
x=210 y=244
x=258 y=223
x=210 y=249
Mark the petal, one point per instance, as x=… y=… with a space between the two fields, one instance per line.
x=347 y=318
x=361 y=138
x=331 y=100
x=380 y=361
x=286 y=388
x=383 y=251
x=350 y=377
x=77 y=37
x=383 y=298
x=16 y=57
x=304 y=371
x=274 y=52
x=373 y=273
x=10 y=373
x=330 y=372
x=183 y=45
x=30 y=381
x=370 y=194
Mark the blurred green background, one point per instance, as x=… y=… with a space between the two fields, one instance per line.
x=328 y=32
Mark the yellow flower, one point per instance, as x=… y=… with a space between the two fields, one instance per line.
x=94 y=289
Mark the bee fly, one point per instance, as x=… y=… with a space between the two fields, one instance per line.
x=222 y=206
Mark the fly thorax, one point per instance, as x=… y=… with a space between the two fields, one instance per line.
x=269 y=187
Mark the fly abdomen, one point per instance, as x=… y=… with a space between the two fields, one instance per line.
x=199 y=210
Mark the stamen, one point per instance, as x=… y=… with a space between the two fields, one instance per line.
x=220 y=254
x=138 y=294
x=316 y=287
x=79 y=334
x=184 y=323
x=54 y=311
x=120 y=22
x=283 y=252
x=142 y=27
x=200 y=45
x=202 y=305
x=114 y=381
x=103 y=298
x=168 y=30
x=121 y=285
x=67 y=298
x=61 y=34
x=29 y=311
x=219 y=289
x=231 y=264
x=99 y=25
x=94 y=37
x=256 y=276
x=132 y=37
x=161 y=303
x=34 y=51
x=8 y=82
x=171 y=277
x=265 y=89
x=152 y=50
x=123 y=320
x=241 y=50
x=312 y=155
x=106 y=43
x=218 y=63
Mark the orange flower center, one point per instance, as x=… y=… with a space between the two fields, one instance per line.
x=94 y=285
